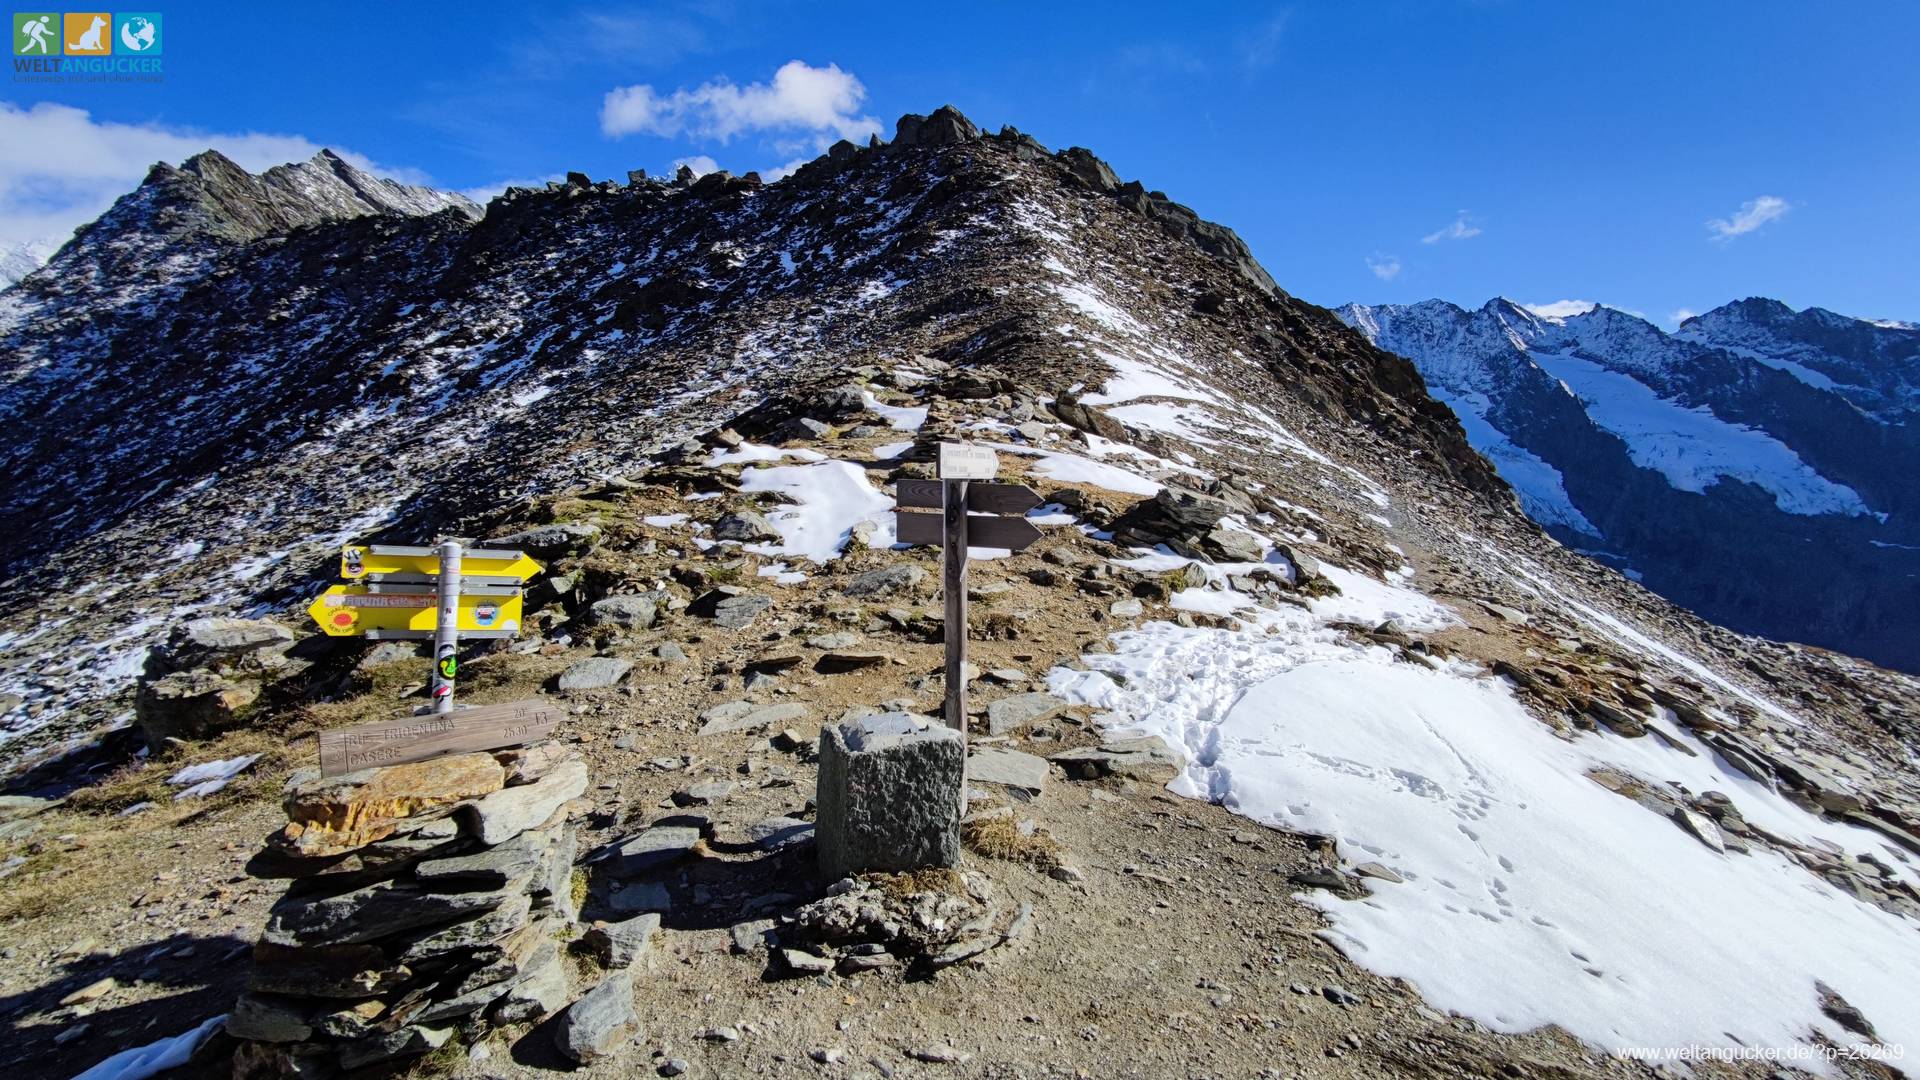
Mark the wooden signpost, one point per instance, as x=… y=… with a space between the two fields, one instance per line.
x=439 y=593
x=970 y=507
x=416 y=738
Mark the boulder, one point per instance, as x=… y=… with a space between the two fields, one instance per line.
x=1193 y=511
x=1020 y=710
x=594 y=673
x=201 y=642
x=632 y=612
x=624 y=943
x=190 y=705
x=330 y=816
x=889 y=795
x=1232 y=545
x=551 y=541
x=746 y=526
x=600 y=1022
x=731 y=608
x=905 y=578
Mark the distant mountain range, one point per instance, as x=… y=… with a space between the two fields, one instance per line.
x=19 y=260
x=1758 y=465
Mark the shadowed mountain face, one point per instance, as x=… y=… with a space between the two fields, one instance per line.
x=227 y=376
x=1757 y=466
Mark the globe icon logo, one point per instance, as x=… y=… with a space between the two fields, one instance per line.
x=138 y=33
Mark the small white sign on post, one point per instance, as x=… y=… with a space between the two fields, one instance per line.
x=960 y=462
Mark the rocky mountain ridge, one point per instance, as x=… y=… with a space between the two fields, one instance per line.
x=1426 y=751
x=1754 y=437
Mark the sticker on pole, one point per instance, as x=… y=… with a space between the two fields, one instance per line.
x=352 y=610
x=961 y=462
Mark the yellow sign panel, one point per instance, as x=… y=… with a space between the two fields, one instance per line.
x=350 y=610
x=358 y=561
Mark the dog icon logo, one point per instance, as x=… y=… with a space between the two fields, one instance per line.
x=87 y=34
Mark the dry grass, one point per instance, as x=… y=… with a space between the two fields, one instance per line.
x=914 y=882
x=1001 y=838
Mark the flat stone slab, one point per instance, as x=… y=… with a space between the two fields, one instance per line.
x=746 y=716
x=509 y=812
x=1020 y=710
x=666 y=841
x=1009 y=768
x=594 y=673
x=1145 y=758
x=376 y=911
x=780 y=833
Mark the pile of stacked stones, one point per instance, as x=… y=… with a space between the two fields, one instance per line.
x=426 y=901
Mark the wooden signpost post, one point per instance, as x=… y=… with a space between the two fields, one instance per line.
x=439 y=593
x=970 y=506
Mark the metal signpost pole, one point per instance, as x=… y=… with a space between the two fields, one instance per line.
x=446 y=635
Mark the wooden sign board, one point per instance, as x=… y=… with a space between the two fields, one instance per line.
x=959 y=461
x=417 y=738
x=981 y=498
x=360 y=560
x=1012 y=533
x=352 y=610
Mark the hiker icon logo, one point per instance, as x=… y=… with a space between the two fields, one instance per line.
x=86 y=34
x=35 y=33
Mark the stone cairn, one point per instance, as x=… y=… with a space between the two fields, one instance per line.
x=425 y=900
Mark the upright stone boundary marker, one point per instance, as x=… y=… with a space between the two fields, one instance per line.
x=885 y=800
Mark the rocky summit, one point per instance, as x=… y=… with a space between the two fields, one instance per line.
x=1293 y=746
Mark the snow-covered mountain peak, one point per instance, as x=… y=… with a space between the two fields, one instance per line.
x=1764 y=427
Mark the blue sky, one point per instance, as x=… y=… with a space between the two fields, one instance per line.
x=1657 y=157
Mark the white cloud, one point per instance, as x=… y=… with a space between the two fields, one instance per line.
x=63 y=168
x=1681 y=315
x=1461 y=229
x=800 y=98
x=1384 y=267
x=701 y=164
x=1561 y=309
x=781 y=172
x=1753 y=214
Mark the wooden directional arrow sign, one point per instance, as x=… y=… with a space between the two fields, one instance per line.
x=982 y=498
x=1012 y=533
x=417 y=738
x=359 y=561
x=352 y=610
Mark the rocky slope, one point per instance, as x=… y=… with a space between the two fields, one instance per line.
x=1756 y=466
x=1443 y=748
